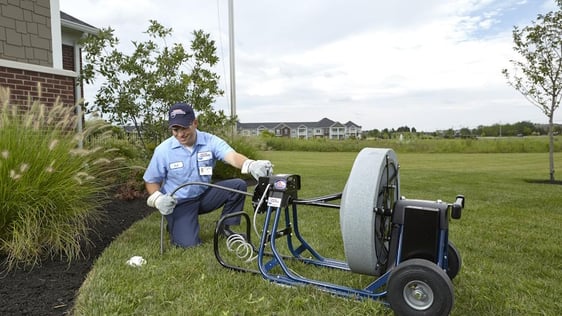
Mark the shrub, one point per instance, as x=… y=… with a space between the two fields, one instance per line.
x=51 y=189
x=126 y=182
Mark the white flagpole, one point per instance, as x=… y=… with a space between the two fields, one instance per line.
x=232 y=63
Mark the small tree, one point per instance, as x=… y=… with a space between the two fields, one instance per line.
x=540 y=81
x=139 y=88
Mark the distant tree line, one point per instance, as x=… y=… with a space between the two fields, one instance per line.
x=523 y=128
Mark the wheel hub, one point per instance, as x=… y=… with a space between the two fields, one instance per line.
x=418 y=295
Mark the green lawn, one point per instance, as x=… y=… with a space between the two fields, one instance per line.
x=509 y=239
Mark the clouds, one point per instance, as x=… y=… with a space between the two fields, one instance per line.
x=429 y=64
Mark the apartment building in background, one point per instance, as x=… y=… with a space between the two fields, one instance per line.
x=325 y=128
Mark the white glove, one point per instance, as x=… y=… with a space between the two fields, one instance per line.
x=165 y=203
x=257 y=168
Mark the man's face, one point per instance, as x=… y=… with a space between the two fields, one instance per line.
x=185 y=135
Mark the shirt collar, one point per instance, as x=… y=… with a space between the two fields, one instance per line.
x=198 y=141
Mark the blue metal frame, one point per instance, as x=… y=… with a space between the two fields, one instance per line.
x=267 y=261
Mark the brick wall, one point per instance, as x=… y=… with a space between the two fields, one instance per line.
x=23 y=84
x=68 y=63
x=68 y=57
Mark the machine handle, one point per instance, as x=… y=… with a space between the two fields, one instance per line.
x=456 y=208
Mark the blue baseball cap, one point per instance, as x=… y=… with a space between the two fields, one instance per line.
x=181 y=114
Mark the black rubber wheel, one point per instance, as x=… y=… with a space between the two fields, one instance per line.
x=420 y=287
x=454 y=261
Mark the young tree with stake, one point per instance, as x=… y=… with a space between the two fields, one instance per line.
x=540 y=70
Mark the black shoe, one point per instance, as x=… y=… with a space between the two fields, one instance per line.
x=226 y=232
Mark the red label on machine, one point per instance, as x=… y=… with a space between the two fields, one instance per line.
x=280 y=185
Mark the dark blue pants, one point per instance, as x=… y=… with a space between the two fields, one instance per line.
x=183 y=223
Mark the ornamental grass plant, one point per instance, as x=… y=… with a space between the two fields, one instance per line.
x=51 y=189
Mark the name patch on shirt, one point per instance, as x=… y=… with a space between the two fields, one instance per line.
x=206 y=171
x=176 y=165
x=204 y=156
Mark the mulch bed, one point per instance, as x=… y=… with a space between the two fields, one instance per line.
x=50 y=289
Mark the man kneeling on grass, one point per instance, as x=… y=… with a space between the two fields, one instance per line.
x=189 y=155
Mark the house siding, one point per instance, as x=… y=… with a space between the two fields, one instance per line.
x=26 y=55
x=25 y=32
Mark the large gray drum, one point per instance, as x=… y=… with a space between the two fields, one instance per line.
x=371 y=190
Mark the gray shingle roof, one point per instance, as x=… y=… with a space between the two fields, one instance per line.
x=71 y=22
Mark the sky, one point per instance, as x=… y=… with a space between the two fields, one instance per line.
x=429 y=65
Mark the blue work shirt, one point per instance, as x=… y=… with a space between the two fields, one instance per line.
x=173 y=165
